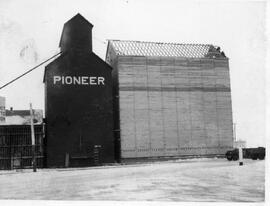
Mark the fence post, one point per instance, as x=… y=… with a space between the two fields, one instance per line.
x=33 y=140
x=240 y=156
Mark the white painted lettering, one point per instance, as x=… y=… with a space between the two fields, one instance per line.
x=93 y=80
x=68 y=80
x=101 y=80
x=84 y=80
x=56 y=79
x=77 y=80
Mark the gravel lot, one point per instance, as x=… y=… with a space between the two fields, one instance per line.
x=195 y=180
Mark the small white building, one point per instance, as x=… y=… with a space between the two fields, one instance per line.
x=22 y=117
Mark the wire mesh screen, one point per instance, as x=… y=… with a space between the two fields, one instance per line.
x=16 y=146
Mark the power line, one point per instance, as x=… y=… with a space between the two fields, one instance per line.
x=99 y=40
x=29 y=70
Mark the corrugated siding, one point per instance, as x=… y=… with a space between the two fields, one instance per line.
x=140 y=48
x=173 y=106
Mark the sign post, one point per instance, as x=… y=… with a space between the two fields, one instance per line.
x=33 y=140
x=240 y=155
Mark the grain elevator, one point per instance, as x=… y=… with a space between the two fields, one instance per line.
x=78 y=102
x=170 y=99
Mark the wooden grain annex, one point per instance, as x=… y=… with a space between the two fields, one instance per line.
x=170 y=99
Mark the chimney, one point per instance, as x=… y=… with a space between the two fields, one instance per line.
x=76 y=35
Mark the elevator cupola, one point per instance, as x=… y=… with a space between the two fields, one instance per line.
x=76 y=35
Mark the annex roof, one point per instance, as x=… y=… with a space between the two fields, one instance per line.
x=141 y=48
x=21 y=112
x=18 y=112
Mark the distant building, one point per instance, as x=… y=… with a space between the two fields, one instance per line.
x=22 y=117
x=2 y=109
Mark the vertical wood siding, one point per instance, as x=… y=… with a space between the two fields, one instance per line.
x=174 y=106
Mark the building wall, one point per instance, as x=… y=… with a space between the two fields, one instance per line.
x=173 y=106
x=78 y=116
x=2 y=110
x=16 y=146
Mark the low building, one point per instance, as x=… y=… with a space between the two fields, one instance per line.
x=16 y=146
x=22 y=117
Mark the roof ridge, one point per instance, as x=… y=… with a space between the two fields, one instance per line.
x=147 y=48
x=155 y=42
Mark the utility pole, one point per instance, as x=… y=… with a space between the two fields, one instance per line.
x=240 y=149
x=33 y=140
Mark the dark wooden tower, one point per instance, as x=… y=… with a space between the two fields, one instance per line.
x=78 y=101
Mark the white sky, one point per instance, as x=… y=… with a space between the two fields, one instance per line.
x=238 y=27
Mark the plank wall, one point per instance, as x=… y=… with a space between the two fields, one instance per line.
x=174 y=106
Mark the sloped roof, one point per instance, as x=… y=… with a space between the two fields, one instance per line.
x=17 y=112
x=22 y=112
x=141 y=48
x=78 y=21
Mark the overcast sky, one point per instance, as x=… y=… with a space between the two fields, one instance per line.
x=30 y=32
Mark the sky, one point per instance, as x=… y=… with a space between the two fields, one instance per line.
x=30 y=31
